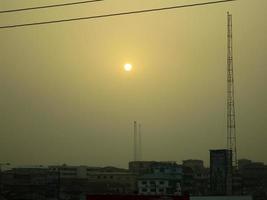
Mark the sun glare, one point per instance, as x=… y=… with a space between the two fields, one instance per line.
x=128 y=67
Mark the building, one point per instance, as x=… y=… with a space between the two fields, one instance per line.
x=196 y=165
x=29 y=183
x=198 y=182
x=117 y=181
x=77 y=181
x=221 y=172
x=159 y=184
x=237 y=183
x=243 y=162
x=254 y=179
x=188 y=183
x=164 y=179
x=66 y=182
x=141 y=167
x=67 y=171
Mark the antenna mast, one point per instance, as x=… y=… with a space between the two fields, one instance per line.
x=135 y=141
x=140 y=143
x=231 y=132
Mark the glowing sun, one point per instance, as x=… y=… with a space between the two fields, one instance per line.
x=128 y=67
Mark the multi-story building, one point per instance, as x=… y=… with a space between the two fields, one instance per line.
x=237 y=182
x=68 y=171
x=164 y=178
x=243 y=162
x=141 y=167
x=159 y=184
x=196 y=165
x=221 y=172
x=200 y=178
x=95 y=180
x=118 y=181
x=66 y=182
x=29 y=183
x=254 y=179
x=188 y=183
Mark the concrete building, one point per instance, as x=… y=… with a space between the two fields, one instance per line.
x=199 y=184
x=188 y=183
x=221 y=172
x=196 y=165
x=159 y=184
x=67 y=171
x=66 y=182
x=29 y=183
x=95 y=180
x=117 y=182
x=254 y=179
x=243 y=162
x=164 y=178
x=141 y=167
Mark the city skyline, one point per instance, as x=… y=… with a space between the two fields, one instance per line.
x=66 y=97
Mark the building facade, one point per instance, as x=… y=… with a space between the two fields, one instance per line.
x=164 y=178
x=196 y=177
x=221 y=172
x=29 y=183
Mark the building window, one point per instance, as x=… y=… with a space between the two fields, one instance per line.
x=169 y=191
x=68 y=169
x=69 y=174
x=152 y=182
x=144 y=190
x=144 y=182
x=161 y=182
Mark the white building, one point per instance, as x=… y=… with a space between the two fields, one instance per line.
x=154 y=184
x=165 y=179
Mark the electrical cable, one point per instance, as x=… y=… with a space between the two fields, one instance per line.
x=115 y=14
x=48 y=6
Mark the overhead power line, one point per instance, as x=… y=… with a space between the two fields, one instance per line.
x=48 y=6
x=115 y=14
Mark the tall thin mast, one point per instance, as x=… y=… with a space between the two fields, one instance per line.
x=135 y=141
x=231 y=125
x=140 y=143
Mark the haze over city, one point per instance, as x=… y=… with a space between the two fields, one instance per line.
x=67 y=98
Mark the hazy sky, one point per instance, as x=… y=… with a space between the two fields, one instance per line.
x=65 y=97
